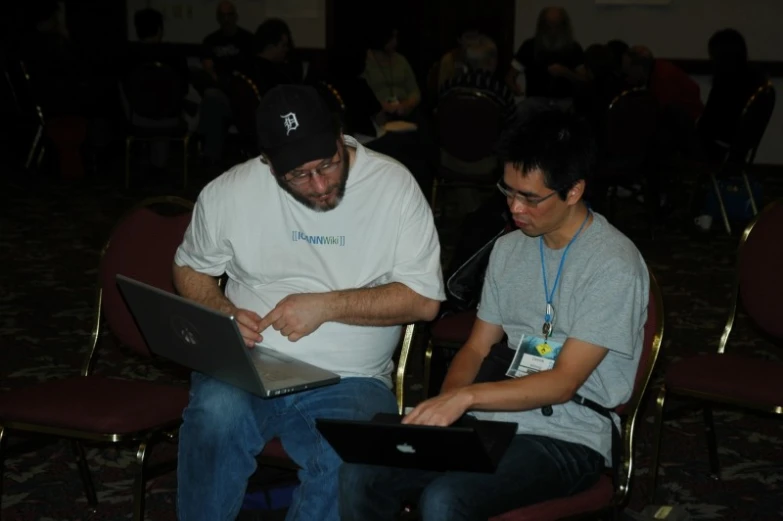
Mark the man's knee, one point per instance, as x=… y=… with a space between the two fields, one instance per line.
x=216 y=408
x=441 y=500
x=353 y=479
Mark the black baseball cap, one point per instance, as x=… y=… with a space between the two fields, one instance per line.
x=295 y=126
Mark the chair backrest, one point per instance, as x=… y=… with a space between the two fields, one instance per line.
x=631 y=125
x=469 y=124
x=753 y=122
x=155 y=91
x=141 y=246
x=653 y=338
x=245 y=98
x=759 y=281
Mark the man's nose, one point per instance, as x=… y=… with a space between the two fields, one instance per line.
x=319 y=183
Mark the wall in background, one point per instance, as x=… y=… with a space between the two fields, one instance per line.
x=676 y=30
x=189 y=21
x=680 y=29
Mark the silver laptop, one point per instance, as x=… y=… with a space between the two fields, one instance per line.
x=209 y=342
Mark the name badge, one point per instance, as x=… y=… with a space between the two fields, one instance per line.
x=534 y=354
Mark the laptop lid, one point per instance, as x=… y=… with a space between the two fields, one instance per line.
x=471 y=446
x=209 y=342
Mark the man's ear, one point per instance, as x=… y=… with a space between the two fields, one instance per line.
x=576 y=192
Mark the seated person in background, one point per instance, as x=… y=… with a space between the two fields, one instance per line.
x=567 y=269
x=335 y=304
x=362 y=113
x=363 y=116
x=453 y=64
x=60 y=76
x=678 y=96
x=551 y=61
x=618 y=48
x=481 y=59
x=147 y=52
x=272 y=43
x=669 y=85
x=230 y=47
x=604 y=83
x=734 y=81
x=151 y=49
x=390 y=75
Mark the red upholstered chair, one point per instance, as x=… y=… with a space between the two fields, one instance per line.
x=98 y=408
x=737 y=379
x=605 y=496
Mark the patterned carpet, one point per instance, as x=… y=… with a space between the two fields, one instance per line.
x=51 y=232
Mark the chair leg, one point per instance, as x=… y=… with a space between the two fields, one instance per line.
x=34 y=146
x=753 y=204
x=660 y=402
x=140 y=484
x=41 y=154
x=128 y=142
x=2 y=467
x=84 y=472
x=712 y=443
x=720 y=203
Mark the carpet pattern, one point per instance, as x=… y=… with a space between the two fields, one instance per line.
x=51 y=233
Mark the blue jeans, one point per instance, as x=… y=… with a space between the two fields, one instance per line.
x=533 y=469
x=224 y=429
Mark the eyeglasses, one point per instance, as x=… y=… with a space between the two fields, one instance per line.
x=300 y=177
x=530 y=202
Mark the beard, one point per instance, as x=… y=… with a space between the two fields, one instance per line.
x=337 y=189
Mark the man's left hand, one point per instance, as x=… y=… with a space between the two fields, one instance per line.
x=298 y=315
x=443 y=410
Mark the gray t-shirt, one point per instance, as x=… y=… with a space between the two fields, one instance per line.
x=601 y=299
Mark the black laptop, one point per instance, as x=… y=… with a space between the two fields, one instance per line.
x=469 y=444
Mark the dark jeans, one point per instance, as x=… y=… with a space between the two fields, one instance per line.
x=533 y=469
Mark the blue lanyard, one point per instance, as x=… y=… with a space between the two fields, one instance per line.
x=551 y=295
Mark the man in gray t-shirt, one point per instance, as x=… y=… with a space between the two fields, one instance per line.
x=564 y=303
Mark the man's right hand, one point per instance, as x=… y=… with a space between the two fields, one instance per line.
x=249 y=325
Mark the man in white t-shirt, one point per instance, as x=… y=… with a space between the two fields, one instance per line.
x=329 y=248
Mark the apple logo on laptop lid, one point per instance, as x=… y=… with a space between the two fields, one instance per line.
x=186 y=331
x=405 y=448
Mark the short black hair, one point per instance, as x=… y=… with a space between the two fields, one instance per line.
x=147 y=22
x=379 y=34
x=618 y=48
x=728 y=49
x=270 y=32
x=559 y=144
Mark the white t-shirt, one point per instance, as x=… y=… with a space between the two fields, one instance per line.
x=272 y=246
